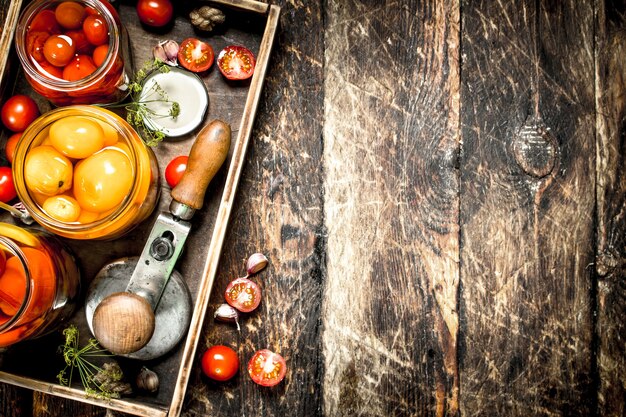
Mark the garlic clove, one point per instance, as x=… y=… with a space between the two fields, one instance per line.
x=226 y=314
x=256 y=262
x=167 y=52
x=147 y=380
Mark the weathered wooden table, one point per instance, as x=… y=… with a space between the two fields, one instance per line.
x=441 y=190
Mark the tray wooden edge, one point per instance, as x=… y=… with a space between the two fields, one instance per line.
x=76 y=394
x=217 y=239
x=6 y=37
x=223 y=215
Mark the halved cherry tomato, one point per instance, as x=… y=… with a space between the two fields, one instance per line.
x=243 y=294
x=9 y=148
x=45 y=21
x=96 y=30
x=236 y=62
x=267 y=368
x=220 y=363
x=34 y=44
x=155 y=13
x=18 y=112
x=7 y=189
x=195 y=55
x=59 y=50
x=70 y=14
x=100 y=54
x=78 y=68
x=175 y=170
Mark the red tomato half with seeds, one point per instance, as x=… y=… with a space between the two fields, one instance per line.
x=220 y=363
x=267 y=368
x=195 y=55
x=156 y=13
x=236 y=62
x=18 y=112
x=175 y=170
x=243 y=294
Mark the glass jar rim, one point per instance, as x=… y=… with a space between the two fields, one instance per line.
x=6 y=243
x=26 y=18
x=121 y=127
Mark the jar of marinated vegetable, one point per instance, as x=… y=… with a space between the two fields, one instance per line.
x=74 y=51
x=39 y=283
x=83 y=172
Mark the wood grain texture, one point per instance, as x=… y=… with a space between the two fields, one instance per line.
x=278 y=212
x=611 y=200
x=391 y=208
x=527 y=289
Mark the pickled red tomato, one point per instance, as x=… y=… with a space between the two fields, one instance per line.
x=78 y=68
x=77 y=137
x=59 y=50
x=103 y=180
x=47 y=171
x=70 y=14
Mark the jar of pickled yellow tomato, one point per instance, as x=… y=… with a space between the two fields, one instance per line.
x=83 y=172
x=39 y=283
x=74 y=51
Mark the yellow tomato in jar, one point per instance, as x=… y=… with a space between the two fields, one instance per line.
x=63 y=208
x=103 y=180
x=76 y=136
x=110 y=133
x=46 y=171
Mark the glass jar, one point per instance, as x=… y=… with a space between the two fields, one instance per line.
x=93 y=77
x=102 y=193
x=39 y=283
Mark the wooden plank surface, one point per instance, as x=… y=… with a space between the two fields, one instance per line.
x=391 y=208
x=611 y=198
x=527 y=208
x=421 y=178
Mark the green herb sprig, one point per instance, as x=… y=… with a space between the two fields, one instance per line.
x=138 y=114
x=105 y=382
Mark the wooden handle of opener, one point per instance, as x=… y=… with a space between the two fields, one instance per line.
x=207 y=155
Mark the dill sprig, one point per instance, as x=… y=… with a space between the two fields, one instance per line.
x=138 y=114
x=94 y=379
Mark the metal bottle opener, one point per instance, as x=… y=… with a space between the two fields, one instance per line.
x=150 y=316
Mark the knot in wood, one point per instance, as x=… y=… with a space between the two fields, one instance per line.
x=535 y=149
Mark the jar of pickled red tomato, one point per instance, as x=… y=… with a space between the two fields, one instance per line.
x=39 y=283
x=74 y=51
x=83 y=172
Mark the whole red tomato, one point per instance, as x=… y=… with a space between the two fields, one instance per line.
x=9 y=147
x=18 y=112
x=175 y=170
x=220 y=363
x=7 y=189
x=156 y=13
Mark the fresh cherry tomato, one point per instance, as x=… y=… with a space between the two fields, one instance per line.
x=156 y=13
x=195 y=55
x=175 y=170
x=7 y=189
x=78 y=68
x=45 y=21
x=267 y=368
x=96 y=30
x=100 y=54
x=236 y=62
x=70 y=14
x=59 y=50
x=243 y=294
x=18 y=112
x=220 y=363
x=9 y=148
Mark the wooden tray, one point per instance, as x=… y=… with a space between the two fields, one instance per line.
x=35 y=364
